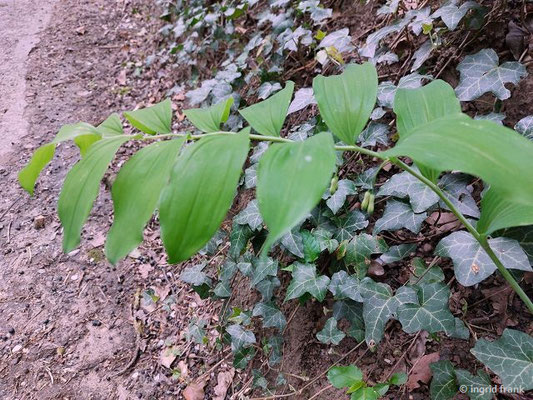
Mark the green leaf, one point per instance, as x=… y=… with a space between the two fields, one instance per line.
x=239 y=236
x=272 y=316
x=403 y=185
x=361 y=247
x=84 y=142
x=336 y=201
x=421 y=274
x=267 y=117
x=460 y=330
x=250 y=216
x=477 y=147
x=112 y=126
x=443 y=385
x=42 y=156
x=399 y=215
x=200 y=192
x=471 y=262
x=525 y=127
x=136 y=192
x=379 y=306
x=330 y=333
x=152 y=120
x=196 y=331
x=397 y=253
x=240 y=337
x=477 y=387
x=263 y=267
x=510 y=357
x=209 y=119
x=305 y=280
x=311 y=246
x=291 y=179
x=293 y=242
x=344 y=286
x=195 y=276
x=267 y=286
x=498 y=212
x=346 y=101
x=430 y=312
x=365 y=393
x=524 y=236
x=398 y=379
x=347 y=225
x=480 y=73
x=276 y=344
x=344 y=377
x=81 y=187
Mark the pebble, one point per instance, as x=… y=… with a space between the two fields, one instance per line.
x=17 y=348
x=39 y=222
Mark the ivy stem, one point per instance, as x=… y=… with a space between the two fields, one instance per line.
x=482 y=239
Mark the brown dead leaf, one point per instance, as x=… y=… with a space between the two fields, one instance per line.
x=145 y=269
x=121 y=79
x=194 y=391
x=421 y=371
x=224 y=381
x=168 y=355
x=184 y=370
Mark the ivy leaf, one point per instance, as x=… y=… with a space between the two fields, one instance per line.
x=399 y=215
x=478 y=387
x=340 y=40
x=267 y=286
x=152 y=120
x=81 y=186
x=344 y=377
x=195 y=276
x=292 y=241
x=209 y=119
x=480 y=73
x=196 y=331
x=330 y=333
x=239 y=236
x=524 y=236
x=250 y=216
x=353 y=312
x=403 y=185
x=397 y=253
x=525 y=127
x=365 y=179
x=210 y=168
x=451 y=14
x=509 y=357
x=267 y=117
x=311 y=246
x=443 y=385
x=379 y=306
x=266 y=89
x=302 y=98
x=343 y=285
x=272 y=316
x=223 y=289
x=494 y=117
x=305 y=280
x=421 y=274
x=263 y=267
x=135 y=194
x=240 y=337
x=361 y=247
x=373 y=134
x=472 y=264
x=455 y=187
x=336 y=201
x=422 y=54
x=276 y=344
x=349 y=224
x=387 y=90
x=346 y=101
x=430 y=312
x=299 y=172
x=373 y=40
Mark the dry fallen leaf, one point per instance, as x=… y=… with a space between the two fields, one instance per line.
x=421 y=371
x=184 y=370
x=168 y=355
x=195 y=391
x=121 y=79
x=224 y=381
x=145 y=269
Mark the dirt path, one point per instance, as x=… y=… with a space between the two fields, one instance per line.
x=22 y=22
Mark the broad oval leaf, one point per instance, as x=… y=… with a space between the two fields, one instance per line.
x=482 y=148
x=152 y=120
x=200 y=192
x=29 y=174
x=81 y=187
x=344 y=377
x=291 y=179
x=415 y=107
x=268 y=116
x=346 y=101
x=135 y=194
x=209 y=119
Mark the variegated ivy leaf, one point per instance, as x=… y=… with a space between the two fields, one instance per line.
x=340 y=40
x=509 y=357
x=311 y=246
x=250 y=216
x=374 y=134
x=421 y=274
x=353 y=312
x=292 y=241
x=361 y=247
x=267 y=88
x=343 y=286
x=196 y=331
x=349 y=224
x=240 y=337
x=443 y=385
x=390 y=8
x=318 y=13
x=421 y=18
x=259 y=150
x=455 y=187
x=365 y=179
x=223 y=289
x=478 y=387
x=472 y=264
x=373 y=40
x=305 y=280
x=275 y=343
x=246 y=268
x=451 y=13
x=525 y=127
x=379 y=306
x=272 y=316
x=429 y=312
x=387 y=89
x=481 y=73
x=345 y=188
x=250 y=176
x=404 y=185
x=377 y=113
x=263 y=267
x=267 y=286
x=422 y=54
x=330 y=334
x=195 y=276
x=494 y=117
x=325 y=239
x=302 y=98
x=399 y=215
x=397 y=253
x=524 y=236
